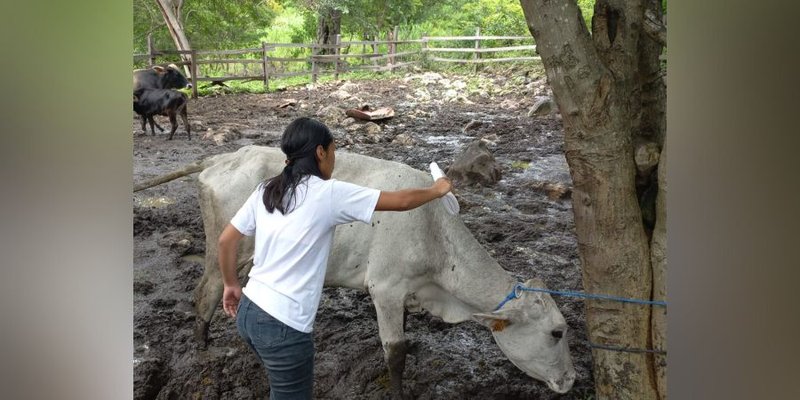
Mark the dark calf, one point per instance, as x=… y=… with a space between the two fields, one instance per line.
x=150 y=102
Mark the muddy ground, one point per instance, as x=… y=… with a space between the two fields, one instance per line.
x=525 y=221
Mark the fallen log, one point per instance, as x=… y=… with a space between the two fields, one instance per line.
x=187 y=170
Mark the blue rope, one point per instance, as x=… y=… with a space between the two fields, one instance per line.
x=511 y=296
x=597 y=296
x=519 y=286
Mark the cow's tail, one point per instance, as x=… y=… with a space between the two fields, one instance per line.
x=187 y=170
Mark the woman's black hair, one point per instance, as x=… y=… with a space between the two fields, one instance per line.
x=299 y=142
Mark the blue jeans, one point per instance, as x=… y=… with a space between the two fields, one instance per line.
x=286 y=353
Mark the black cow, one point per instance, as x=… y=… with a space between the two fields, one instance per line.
x=150 y=102
x=159 y=78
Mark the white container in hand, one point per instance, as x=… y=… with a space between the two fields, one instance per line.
x=449 y=200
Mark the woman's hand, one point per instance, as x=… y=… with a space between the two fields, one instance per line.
x=230 y=299
x=443 y=186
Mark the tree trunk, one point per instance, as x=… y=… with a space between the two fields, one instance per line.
x=329 y=24
x=598 y=83
x=171 y=10
x=659 y=258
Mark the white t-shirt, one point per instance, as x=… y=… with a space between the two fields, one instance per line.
x=291 y=251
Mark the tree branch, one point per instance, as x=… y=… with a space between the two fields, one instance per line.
x=654 y=28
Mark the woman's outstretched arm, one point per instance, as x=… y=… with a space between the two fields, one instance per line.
x=409 y=199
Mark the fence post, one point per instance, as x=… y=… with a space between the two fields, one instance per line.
x=424 y=54
x=375 y=39
x=477 y=55
x=150 y=50
x=393 y=48
x=313 y=63
x=337 y=51
x=265 y=59
x=193 y=68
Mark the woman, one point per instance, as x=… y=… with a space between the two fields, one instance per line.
x=293 y=217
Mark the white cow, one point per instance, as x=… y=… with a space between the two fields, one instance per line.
x=421 y=259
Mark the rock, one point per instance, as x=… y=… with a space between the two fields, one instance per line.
x=430 y=77
x=450 y=94
x=544 y=106
x=222 y=135
x=476 y=165
x=349 y=87
x=471 y=125
x=556 y=190
x=340 y=94
x=490 y=140
x=372 y=129
x=347 y=122
x=330 y=115
x=509 y=104
x=403 y=139
x=459 y=85
x=422 y=95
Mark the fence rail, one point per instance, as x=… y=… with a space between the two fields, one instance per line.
x=336 y=58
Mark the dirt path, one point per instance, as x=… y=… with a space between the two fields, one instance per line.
x=524 y=221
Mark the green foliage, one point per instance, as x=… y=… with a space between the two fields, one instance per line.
x=587 y=10
x=208 y=24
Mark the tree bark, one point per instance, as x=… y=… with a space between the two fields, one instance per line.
x=659 y=259
x=171 y=10
x=597 y=83
x=329 y=24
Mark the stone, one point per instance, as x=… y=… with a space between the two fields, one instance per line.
x=475 y=165
x=372 y=129
x=340 y=95
x=471 y=125
x=349 y=87
x=403 y=139
x=330 y=114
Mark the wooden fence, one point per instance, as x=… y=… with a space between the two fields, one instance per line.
x=336 y=58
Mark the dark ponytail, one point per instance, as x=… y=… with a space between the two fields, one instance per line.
x=299 y=142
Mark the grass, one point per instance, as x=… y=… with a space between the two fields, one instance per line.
x=278 y=84
x=521 y=165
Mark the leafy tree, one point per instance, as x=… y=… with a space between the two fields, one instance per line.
x=208 y=24
x=610 y=90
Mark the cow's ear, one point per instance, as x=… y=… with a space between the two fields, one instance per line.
x=159 y=69
x=496 y=321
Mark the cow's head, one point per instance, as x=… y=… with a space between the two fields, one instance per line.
x=171 y=77
x=532 y=333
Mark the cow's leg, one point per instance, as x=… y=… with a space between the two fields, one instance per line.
x=173 y=120
x=144 y=124
x=208 y=292
x=207 y=295
x=152 y=120
x=391 y=320
x=185 y=119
